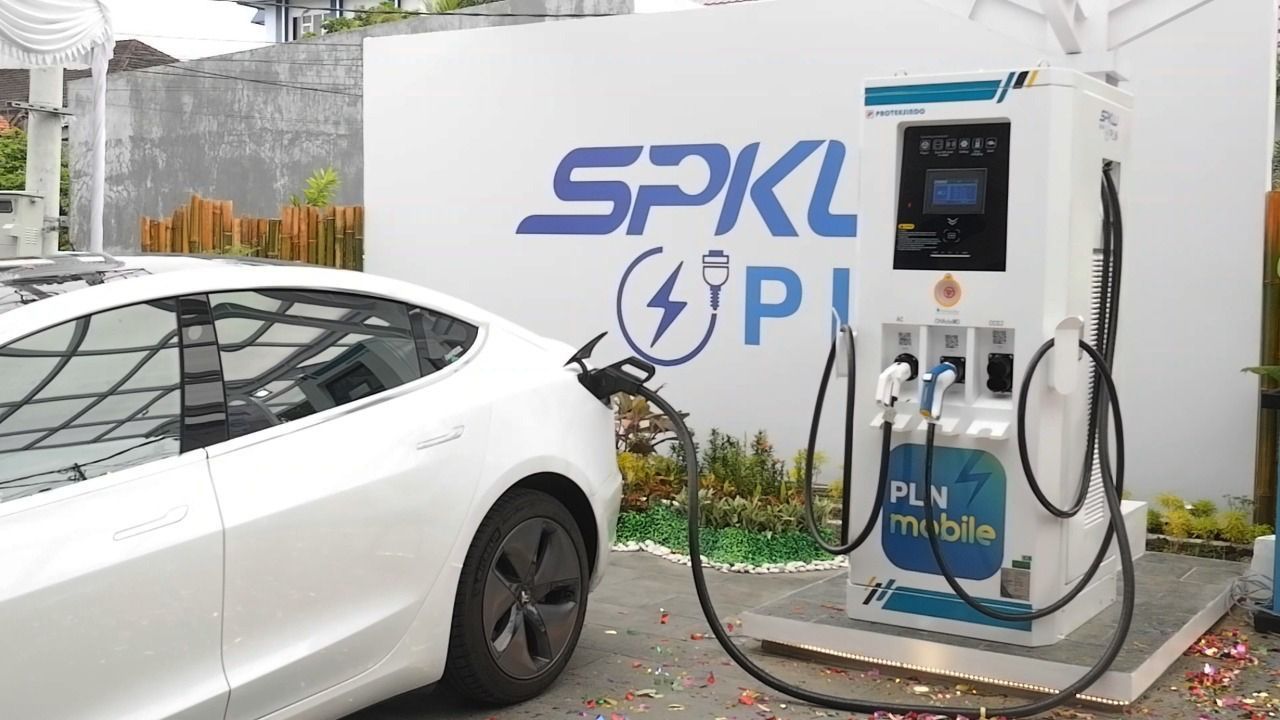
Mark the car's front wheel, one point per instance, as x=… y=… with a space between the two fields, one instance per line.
x=521 y=601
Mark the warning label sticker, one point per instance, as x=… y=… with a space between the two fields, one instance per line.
x=1015 y=582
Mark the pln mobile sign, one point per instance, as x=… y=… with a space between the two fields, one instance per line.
x=687 y=276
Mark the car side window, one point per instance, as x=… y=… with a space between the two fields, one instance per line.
x=287 y=354
x=442 y=340
x=89 y=397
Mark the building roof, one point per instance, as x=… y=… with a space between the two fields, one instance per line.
x=128 y=55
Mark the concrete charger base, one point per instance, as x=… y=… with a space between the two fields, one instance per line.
x=1178 y=599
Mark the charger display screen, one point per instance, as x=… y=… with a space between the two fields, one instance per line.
x=955 y=191
x=953 y=197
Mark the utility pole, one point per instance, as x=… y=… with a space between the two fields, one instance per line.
x=44 y=149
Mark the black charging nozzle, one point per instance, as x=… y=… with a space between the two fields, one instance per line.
x=610 y=380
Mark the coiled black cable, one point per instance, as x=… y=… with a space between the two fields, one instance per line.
x=852 y=705
x=1112 y=484
x=882 y=483
x=1108 y=316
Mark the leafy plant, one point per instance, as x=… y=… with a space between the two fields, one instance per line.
x=1267 y=372
x=384 y=12
x=1155 y=521
x=1170 y=515
x=751 y=471
x=795 y=475
x=1168 y=502
x=758 y=514
x=1177 y=524
x=1203 y=527
x=1242 y=503
x=667 y=527
x=237 y=251
x=1203 y=509
x=638 y=428
x=13 y=171
x=320 y=189
x=1236 y=528
x=648 y=479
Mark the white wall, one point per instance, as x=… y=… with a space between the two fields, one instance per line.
x=1192 y=298
x=443 y=204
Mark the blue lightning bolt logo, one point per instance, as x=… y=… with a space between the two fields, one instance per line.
x=671 y=309
x=966 y=476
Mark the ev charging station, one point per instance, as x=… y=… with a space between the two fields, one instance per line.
x=982 y=198
x=985 y=259
x=988 y=295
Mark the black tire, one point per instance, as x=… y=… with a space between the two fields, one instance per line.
x=487 y=661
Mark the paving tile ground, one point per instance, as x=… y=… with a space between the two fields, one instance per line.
x=625 y=648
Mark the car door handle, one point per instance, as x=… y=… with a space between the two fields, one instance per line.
x=175 y=515
x=441 y=437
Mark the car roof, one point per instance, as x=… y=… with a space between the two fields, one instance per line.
x=35 y=290
x=25 y=281
x=29 y=279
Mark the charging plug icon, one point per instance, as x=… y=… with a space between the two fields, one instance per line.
x=715 y=273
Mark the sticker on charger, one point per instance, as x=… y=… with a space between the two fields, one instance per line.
x=1015 y=582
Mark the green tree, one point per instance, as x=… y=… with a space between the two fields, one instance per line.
x=13 y=169
x=385 y=12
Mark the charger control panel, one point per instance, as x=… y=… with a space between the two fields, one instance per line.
x=953 y=198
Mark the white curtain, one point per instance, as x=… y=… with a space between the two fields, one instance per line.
x=67 y=33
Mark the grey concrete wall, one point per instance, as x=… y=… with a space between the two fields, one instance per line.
x=179 y=129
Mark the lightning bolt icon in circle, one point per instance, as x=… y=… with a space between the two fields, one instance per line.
x=968 y=476
x=671 y=309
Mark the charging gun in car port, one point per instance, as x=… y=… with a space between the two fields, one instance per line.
x=610 y=380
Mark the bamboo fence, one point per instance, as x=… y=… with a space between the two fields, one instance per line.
x=332 y=236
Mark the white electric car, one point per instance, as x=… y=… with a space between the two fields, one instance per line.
x=233 y=489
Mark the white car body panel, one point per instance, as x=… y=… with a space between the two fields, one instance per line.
x=111 y=591
x=331 y=552
x=345 y=531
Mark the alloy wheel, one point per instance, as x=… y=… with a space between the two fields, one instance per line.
x=531 y=598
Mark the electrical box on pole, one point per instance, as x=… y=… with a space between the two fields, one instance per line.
x=21 y=218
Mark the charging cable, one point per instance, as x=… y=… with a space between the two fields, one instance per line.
x=853 y=705
x=847 y=546
x=933 y=386
x=889 y=384
x=604 y=382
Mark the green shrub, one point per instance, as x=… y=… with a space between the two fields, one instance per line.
x=1177 y=523
x=752 y=470
x=795 y=476
x=1203 y=509
x=1204 y=528
x=1155 y=521
x=639 y=428
x=667 y=527
x=755 y=514
x=1168 y=502
x=648 y=479
x=661 y=525
x=1234 y=527
x=1203 y=520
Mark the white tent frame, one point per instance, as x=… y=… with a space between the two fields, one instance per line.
x=38 y=34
